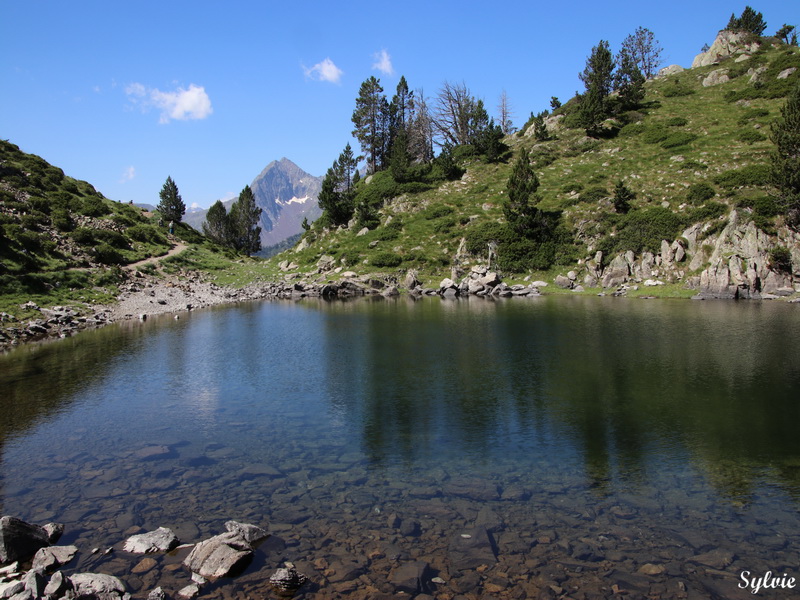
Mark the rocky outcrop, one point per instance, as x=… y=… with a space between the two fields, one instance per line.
x=716 y=77
x=670 y=70
x=727 y=44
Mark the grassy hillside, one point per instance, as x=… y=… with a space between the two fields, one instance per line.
x=690 y=153
x=62 y=242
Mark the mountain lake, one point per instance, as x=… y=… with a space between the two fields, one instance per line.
x=547 y=447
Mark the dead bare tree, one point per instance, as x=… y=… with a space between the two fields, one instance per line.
x=452 y=113
x=505 y=114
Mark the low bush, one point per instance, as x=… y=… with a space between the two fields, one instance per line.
x=106 y=255
x=676 y=139
x=386 y=259
x=752 y=175
x=751 y=136
x=676 y=122
x=700 y=192
x=593 y=194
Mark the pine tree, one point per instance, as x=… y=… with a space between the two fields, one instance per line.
x=245 y=233
x=594 y=105
x=337 y=193
x=785 y=159
x=623 y=197
x=750 y=21
x=628 y=81
x=216 y=225
x=519 y=209
x=644 y=51
x=171 y=206
x=370 y=119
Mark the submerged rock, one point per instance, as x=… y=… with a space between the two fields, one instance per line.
x=250 y=533
x=219 y=556
x=160 y=540
x=287 y=580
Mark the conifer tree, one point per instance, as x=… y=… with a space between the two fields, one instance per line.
x=785 y=159
x=520 y=207
x=623 y=197
x=594 y=105
x=171 y=206
x=370 y=118
x=643 y=49
x=628 y=81
x=245 y=233
x=216 y=225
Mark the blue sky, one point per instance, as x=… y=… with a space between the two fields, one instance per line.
x=125 y=94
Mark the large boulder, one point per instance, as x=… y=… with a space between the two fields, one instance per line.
x=20 y=540
x=220 y=556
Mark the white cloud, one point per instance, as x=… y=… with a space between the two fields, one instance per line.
x=324 y=71
x=128 y=174
x=383 y=62
x=182 y=104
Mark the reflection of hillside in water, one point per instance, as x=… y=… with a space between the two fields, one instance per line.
x=40 y=381
x=626 y=384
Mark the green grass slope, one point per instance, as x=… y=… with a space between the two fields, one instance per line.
x=691 y=153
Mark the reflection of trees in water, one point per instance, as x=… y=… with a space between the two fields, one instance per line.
x=630 y=383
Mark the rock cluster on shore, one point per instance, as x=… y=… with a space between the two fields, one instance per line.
x=224 y=555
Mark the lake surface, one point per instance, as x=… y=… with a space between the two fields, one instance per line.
x=564 y=446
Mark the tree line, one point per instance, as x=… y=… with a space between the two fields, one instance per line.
x=399 y=138
x=238 y=230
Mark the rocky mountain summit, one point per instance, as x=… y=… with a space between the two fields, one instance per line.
x=286 y=195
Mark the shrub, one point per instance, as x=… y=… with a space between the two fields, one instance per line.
x=107 y=255
x=112 y=238
x=571 y=187
x=632 y=129
x=751 y=136
x=92 y=206
x=62 y=220
x=677 y=89
x=643 y=230
x=746 y=176
x=692 y=165
x=780 y=259
x=350 y=257
x=436 y=211
x=84 y=236
x=146 y=234
x=386 y=259
x=679 y=138
x=710 y=210
x=655 y=134
x=700 y=192
x=750 y=114
x=593 y=194
x=444 y=226
x=676 y=122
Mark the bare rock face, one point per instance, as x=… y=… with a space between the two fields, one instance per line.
x=219 y=556
x=20 y=540
x=160 y=540
x=716 y=77
x=727 y=44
